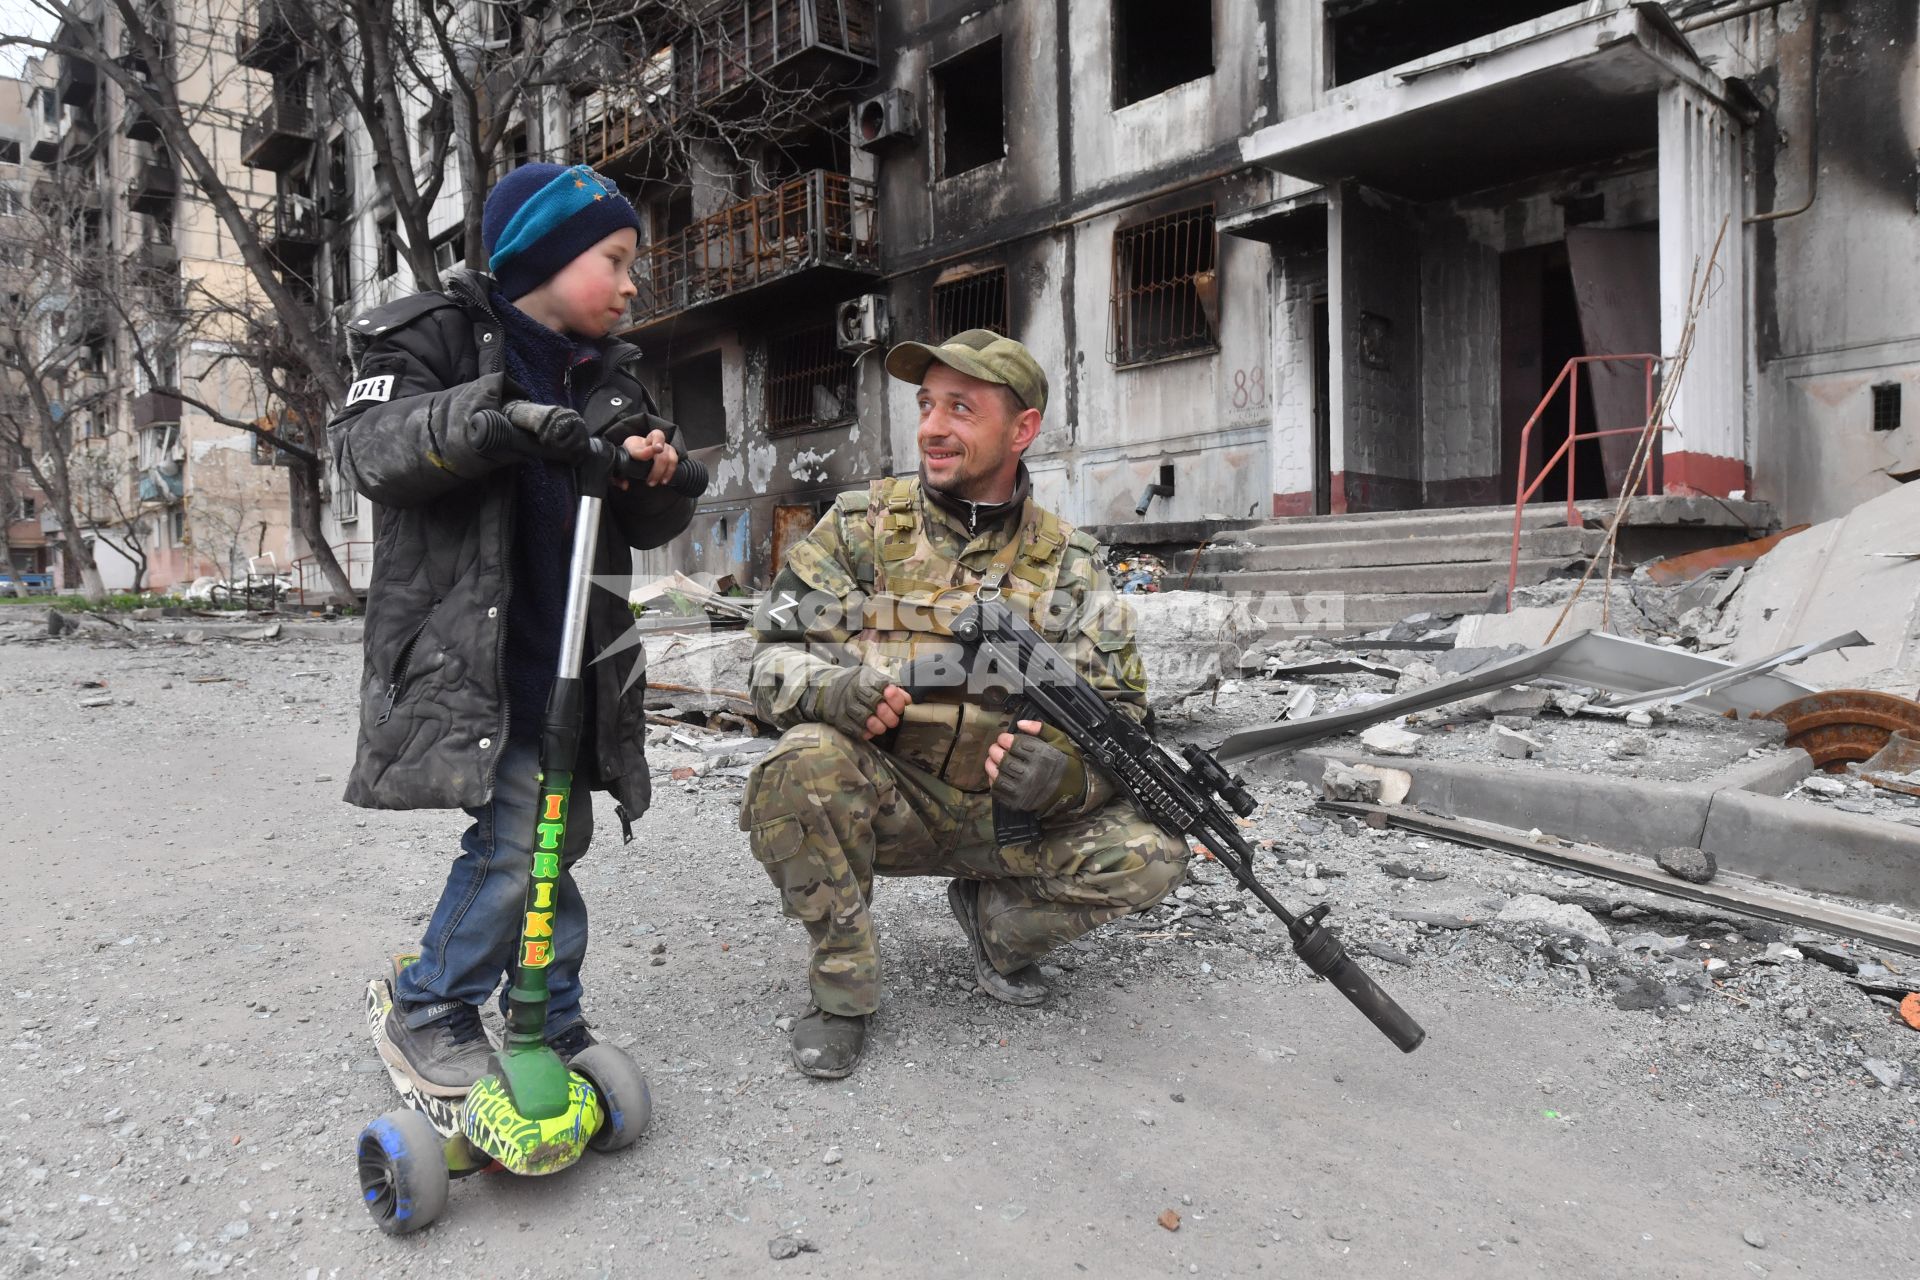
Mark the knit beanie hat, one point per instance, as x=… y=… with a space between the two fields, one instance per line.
x=540 y=217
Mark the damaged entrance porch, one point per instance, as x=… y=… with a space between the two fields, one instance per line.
x=1484 y=214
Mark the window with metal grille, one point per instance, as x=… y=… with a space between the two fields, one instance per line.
x=809 y=381
x=1164 y=286
x=976 y=300
x=1886 y=407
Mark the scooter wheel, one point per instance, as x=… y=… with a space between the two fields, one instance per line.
x=625 y=1100
x=403 y=1172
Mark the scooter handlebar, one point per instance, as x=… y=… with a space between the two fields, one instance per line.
x=689 y=476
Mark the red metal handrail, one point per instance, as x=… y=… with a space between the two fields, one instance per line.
x=309 y=565
x=1570 y=375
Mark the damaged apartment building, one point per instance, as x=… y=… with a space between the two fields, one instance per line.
x=1280 y=257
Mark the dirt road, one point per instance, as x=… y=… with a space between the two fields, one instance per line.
x=194 y=913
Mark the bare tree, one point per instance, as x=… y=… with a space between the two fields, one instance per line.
x=50 y=324
x=100 y=479
x=472 y=75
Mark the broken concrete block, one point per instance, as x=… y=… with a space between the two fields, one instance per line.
x=1558 y=917
x=1514 y=745
x=1390 y=740
x=1339 y=782
x=1394 y=783
x=1696 y=866
x=1629 y=744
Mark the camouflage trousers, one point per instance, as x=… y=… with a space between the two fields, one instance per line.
x=827 y=813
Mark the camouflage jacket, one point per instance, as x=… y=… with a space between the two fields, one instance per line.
x=859 y=584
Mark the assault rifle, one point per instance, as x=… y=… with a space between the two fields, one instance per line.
x=1004 y=661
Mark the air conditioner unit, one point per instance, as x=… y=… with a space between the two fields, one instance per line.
x=880 y=121
x=860 y=324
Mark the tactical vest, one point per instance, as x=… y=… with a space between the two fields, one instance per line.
x=918 y=590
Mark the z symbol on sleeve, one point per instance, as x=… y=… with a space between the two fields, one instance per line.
x=379 y=389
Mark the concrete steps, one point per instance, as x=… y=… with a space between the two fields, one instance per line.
x=1408 y=548
x=1333 y=574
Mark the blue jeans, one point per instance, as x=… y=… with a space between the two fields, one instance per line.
x=471 y=941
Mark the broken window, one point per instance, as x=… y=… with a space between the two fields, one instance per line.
x=1164 y=288
x=973 y=125
x=1886 y=407
x=9 y=151
x=346 y=499
x=809 y=381
x=698 y=403
x=449 y=249
x=973 y=300
x=1157 y=46
x=1369 y=36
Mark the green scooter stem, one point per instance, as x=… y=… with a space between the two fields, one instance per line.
x=535 y=1077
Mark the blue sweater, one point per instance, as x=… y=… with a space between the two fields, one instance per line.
x=539 y=360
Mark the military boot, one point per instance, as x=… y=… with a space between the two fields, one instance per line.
x=1025 y=985
x=826 y=1045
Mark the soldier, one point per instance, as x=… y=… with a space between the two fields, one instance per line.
x=866 y=780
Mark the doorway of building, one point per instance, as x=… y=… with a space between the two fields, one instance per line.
x=1539 y=332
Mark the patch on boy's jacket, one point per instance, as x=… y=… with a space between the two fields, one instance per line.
x=378 y=389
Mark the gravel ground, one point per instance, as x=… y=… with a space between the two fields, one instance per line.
x=190 y=1065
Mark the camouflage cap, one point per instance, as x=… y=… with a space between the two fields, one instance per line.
x=978 y=353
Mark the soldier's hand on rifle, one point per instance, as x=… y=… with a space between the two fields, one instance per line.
x=863 y=703
x=1032 y=774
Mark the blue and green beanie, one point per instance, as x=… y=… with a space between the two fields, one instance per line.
x=540 y=217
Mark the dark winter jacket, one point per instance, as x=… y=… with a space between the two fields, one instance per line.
x=433 y=705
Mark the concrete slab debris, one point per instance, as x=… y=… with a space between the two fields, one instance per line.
x=1391 y=740
x=1833 y=570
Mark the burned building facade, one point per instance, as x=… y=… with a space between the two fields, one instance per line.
x=1283 y=257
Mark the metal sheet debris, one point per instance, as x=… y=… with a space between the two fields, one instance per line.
x=1591 y=659
x=1720 y=680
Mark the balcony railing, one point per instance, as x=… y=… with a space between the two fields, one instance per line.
x=280 y=135
x=291 y=229
x=818 y=220
x=273 y=36
x=79 y=138
x=763 y=43
x=154 y=409
x=773 y=40
x=153 y=187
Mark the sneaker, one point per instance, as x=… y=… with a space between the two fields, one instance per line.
x=826 y=1045
x=572 y=1042
x=442 y=1057
x=1025 y=985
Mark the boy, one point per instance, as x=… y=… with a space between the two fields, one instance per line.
x=468 y=589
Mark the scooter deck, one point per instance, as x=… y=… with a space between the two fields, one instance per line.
x=443 y=1113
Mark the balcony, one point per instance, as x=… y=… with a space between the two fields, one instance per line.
x=814 y=236
x=79 y=81
x=291 y=230
x=138 y=126
x=274 y=36
x=155 y=409
x=46 y=148
x=732 y=58
x=783 y=43
x=280 y=136
x=79 y=138
x=157 y=486
x=153 y=187
x=157 y=257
